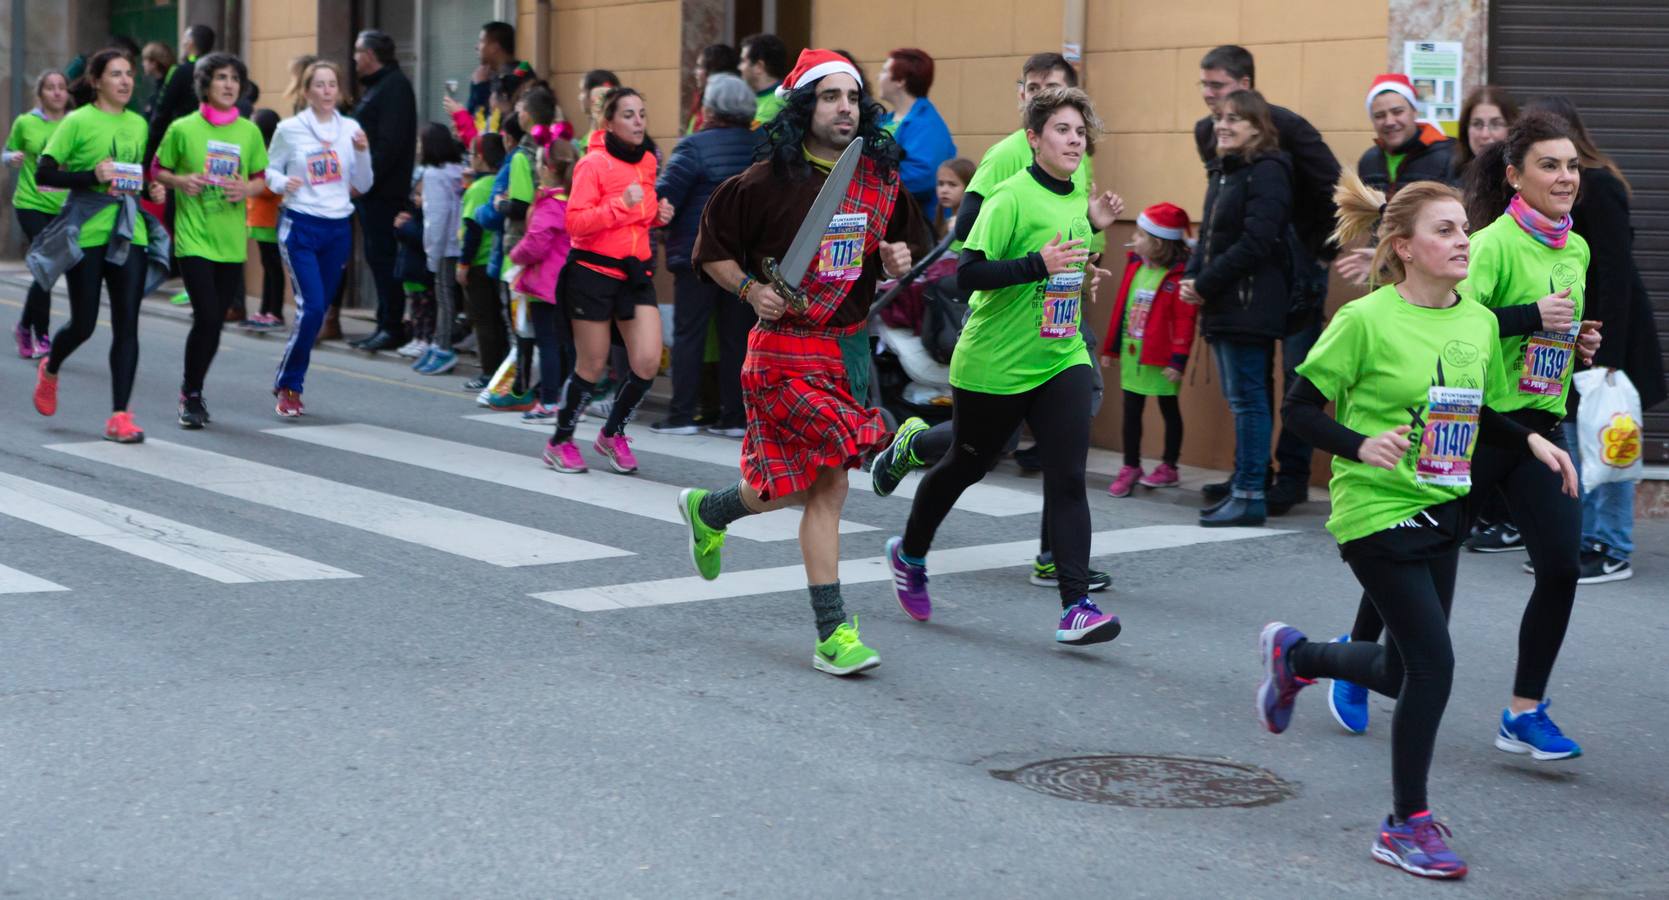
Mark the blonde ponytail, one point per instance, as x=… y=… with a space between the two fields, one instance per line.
x=1364 y=215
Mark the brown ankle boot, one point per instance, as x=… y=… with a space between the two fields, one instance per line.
x=331 y=329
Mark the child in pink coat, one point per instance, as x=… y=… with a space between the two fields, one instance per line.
x=542 y=253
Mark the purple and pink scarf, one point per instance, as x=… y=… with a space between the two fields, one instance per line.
x=1538 y=226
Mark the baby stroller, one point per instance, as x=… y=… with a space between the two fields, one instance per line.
x=915 y=323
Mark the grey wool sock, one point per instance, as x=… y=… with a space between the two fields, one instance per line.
x=826 y=603
x=719 y=508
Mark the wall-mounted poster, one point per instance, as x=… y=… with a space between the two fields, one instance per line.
x=1434 y=67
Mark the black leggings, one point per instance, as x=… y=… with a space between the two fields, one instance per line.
x=126 y=284
x=1416 y=665
x=272 y=279
x=934 y=444
x=213 y=287
x=1058 y=412
x=1552 y=527
x=37 y=308
x=1170 y=408
x=555 y=339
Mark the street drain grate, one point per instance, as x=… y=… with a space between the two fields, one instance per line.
x=1151 y=782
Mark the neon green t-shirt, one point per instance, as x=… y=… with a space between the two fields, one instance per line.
x=90 y=136
x=1149 y=381
x=29 y=136
x=1383 y=362
x=208 y=225
x=1013 y=154
x=521 y=179
x=1393 y=162
x=1018 y=337
x=766 y=106
x=1509 y=268
x=478 y=194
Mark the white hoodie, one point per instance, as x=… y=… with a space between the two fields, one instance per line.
x=324 y=158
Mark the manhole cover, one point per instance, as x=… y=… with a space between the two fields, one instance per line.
x=1151 y=782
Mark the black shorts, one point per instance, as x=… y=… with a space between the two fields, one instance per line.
x=593 y=297
x=1428 y=534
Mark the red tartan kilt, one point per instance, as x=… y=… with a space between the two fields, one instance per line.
x=801 y=415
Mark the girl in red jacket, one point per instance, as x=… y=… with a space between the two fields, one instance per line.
x=1151 y=333
x=606 y=280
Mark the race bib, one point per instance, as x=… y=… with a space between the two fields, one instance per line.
x=323 y=167
x=1061 y=295
x=840 y=256
x=130 y=178
x=224 y=163
x=1547 y=357
x=1138 y=314
x=1451 y=433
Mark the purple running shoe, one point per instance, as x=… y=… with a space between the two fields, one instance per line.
x=1279 y=686
x=1083 y=623
x=909 y=582
x=1416 y=846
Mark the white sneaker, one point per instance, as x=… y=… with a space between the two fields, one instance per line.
x=413 y=349
x=600 y=408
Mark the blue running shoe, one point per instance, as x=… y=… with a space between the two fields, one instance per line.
x=1348 y=701
x=1534 y=733
x=1279 y=687
x=1416 y=846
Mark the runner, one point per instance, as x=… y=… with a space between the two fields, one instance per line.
x=319 y=158
x=606 y=285
x=97 y=152
x=1522 y=262
x=1409 y=367
x=210 y=160
x=1021 y=358
x=35 y=206
x=805 y=429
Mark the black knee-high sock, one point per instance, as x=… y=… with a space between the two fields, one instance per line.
x=575 y=400
x=626 y=402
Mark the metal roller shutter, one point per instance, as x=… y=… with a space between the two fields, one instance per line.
x=1608 y=57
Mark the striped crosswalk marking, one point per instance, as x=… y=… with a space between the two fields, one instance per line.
x=460 y=533
x=13 y=581
x=752 y=582
x=630 y=494
x=986 y=499
x=220 y=557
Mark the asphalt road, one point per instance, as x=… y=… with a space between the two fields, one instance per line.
x=382 y=652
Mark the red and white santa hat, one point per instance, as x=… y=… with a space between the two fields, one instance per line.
x=1396 y=84
x=814 y=64
x=1164 y=220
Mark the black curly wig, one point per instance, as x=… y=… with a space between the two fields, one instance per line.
x=785 y=136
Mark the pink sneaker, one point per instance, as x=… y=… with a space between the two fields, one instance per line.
x=564 y=457
x=25 y=341
x=1125 y=482
x=618 y=449
x=1163 y=476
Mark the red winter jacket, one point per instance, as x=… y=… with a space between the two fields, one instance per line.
x=1169 y=334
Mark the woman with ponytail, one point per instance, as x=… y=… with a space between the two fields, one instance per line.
x=1409 y=368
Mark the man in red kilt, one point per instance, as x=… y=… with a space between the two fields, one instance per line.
x=805 y=429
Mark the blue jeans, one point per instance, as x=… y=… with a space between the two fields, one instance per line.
x=1245 y=366
x=1607 y=509
x=315 y=250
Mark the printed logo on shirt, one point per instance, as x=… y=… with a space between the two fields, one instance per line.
x=1460 y=354
x=1565 y=275
x=1062 y=295
x=840 y=256
x=323 y=167
x=1449 y=436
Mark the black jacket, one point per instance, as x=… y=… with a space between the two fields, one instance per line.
x=1428 y=156
x=1616 y=294
x=1240 y=266
x=177 y=100
x=388 y=113
x=698 y=165
x=1315 y=173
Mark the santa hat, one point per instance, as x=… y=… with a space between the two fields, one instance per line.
x=1397 y=84
x=1164 y=220
x=814 y=64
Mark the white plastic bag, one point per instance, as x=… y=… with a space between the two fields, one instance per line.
x=1608 y=427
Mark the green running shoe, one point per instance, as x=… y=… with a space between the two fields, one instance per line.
x=843 y=653
x=705 y=543
x=895 y=462
x=1044 y=574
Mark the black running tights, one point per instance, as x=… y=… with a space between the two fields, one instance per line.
x=213 y=288
x=37 y=307
x=272 y=279
x=126 y=284
x=1170 y=408
x=1415 y=665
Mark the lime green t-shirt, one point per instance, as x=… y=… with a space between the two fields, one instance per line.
x=208 y=225
x=1149 y=381
x=521 y=179
x=1393 y=162
x=1383 y=361
x=1509 y=268
x=767 y=105
x=1013 y=154
x=478 y=194
x=29 y=136
x=90 y=136
x=1018 y=337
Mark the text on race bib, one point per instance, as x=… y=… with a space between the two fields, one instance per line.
x=1062 y=295
x=323 y=167
x=224 y=162
x=1449 y=436
x=840 y=256
x=130 y=178
x=1138 y=313
x=1547 y=359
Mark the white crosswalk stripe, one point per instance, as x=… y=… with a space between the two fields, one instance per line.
x=986 y=499
x=752 y=582
x=464 y=534
x=13 y=581
x=151 y=537
x=630 y=494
